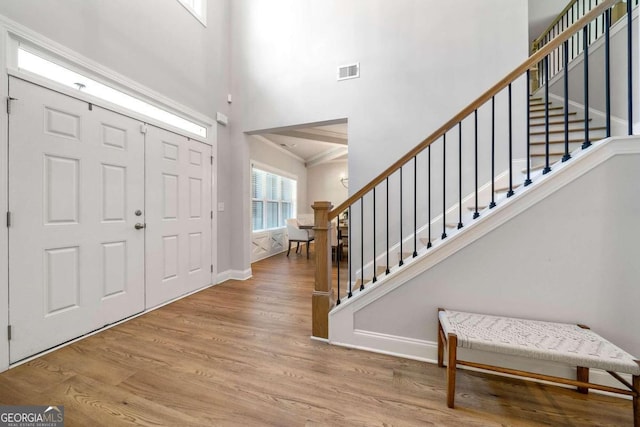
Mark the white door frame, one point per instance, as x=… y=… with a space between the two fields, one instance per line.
x=10 y=32
x=4 y=202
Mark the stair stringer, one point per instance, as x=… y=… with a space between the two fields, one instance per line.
x=344 y=331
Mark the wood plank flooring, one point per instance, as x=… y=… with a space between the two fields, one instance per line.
x=240 y=354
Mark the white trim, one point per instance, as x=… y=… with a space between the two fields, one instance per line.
x=16 y=33
x=4 y=201
x=234 y=275
x=277 y=147
x=564 y=173
x=427 y=351
x=342 y=319
x=484 y=197
x=270 y=169
x=327 y=156
x=32 y=62
x=214 y=210
x=200 y=16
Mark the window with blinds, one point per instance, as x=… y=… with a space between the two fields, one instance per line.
x=273 y=200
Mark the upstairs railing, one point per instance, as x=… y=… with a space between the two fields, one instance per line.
x=434 y=190
x=574 y=10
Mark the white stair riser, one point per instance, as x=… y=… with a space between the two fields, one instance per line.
x=594 y=135
x=560 y=127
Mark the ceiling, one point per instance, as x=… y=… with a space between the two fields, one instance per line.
x=312 y=145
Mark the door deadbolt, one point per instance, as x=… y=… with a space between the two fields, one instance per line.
x=138 y=212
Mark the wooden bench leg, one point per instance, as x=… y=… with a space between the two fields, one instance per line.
x=582 y=374
x=636 y=404
x=451 y=369
x=441 y=345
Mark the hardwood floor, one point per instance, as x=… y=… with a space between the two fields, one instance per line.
x=240 y=354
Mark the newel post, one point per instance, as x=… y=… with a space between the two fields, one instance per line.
x=322 y=299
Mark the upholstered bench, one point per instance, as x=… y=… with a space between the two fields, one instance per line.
x=575 y=345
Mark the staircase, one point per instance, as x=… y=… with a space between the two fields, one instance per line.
x=537 y=160
x=427 y=241
x=575 y=126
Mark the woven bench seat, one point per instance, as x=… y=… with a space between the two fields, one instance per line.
x=575 y=345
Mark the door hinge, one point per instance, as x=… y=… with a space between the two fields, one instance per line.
x=211 y=159
x=211 y=214
x=9 y=99
x=8 y=219
x=90 y=106
x=143 y=128
x=212 y=268
x=9 y=332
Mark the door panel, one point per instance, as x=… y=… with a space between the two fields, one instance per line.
x=76 y=177
x=178 y=208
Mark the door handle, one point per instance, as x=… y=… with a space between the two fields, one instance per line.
x=139 y=226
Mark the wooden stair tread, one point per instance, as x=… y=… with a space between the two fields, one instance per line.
x=473 y=208
x=561 y=141
x=537 y=103
x=533 y=168
x=424 y=241
x=560 y=122
x=537 y=110
x=550 y=154
x=552 y=115
x=503 y=189
x=380 y=270
x=359 y=282
x=570 y=130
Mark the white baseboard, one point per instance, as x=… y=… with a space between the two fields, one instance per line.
x=427 y=351
x=234 y=275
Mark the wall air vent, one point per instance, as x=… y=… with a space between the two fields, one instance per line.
x=349 y=71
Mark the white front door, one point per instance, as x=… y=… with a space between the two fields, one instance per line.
x=76 y=184
x=178 y=200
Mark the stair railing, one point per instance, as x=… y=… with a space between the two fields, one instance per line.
x=574 y=10
x=426 y=186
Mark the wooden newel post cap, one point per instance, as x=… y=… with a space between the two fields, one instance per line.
x=322 y=205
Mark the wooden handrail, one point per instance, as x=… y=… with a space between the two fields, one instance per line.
x=560 y=16
x=531 y=62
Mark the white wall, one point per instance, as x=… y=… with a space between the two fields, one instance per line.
x=421 y=62
x=158 y=44
x=571 y=257
x=324 y=182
